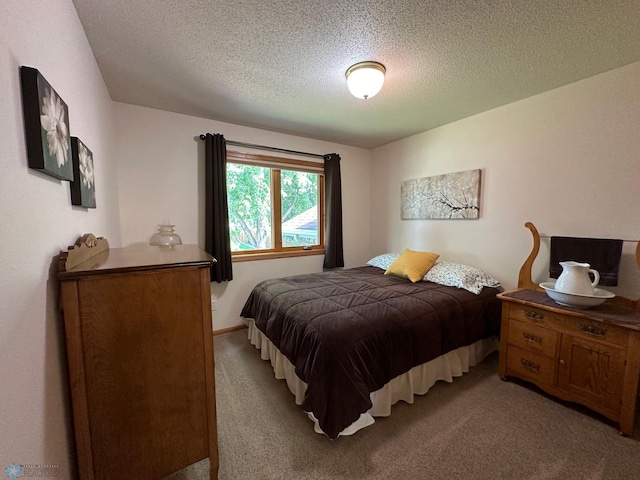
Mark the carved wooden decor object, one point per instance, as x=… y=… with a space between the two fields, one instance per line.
x=86 y=247
x=525 y=279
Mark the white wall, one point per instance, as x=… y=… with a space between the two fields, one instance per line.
x=161 y=176
x=567 y=160
x=38 y=221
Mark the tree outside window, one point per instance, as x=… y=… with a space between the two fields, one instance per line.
x=273 y=209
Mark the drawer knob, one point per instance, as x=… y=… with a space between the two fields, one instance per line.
x=529 y=337
x=530 y=365
x=593 y=330
x=533 y=315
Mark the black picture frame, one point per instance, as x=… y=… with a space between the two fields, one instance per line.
x=46 y=125
x=83 y=189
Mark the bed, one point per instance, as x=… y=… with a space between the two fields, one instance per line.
x=350 y=343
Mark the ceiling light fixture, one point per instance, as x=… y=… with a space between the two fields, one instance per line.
x=365 y=79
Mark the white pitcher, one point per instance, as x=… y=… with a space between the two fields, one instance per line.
x=575 y=278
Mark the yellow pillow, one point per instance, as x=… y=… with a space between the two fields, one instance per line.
x=412 y=265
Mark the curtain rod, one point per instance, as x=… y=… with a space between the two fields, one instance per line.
x=264 y=147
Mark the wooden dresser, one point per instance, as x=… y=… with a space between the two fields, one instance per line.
x=587 y=356
x=140 y=353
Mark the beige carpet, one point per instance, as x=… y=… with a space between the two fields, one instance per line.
x=477 y=427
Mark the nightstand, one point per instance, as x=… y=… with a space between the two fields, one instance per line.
x=587 y=356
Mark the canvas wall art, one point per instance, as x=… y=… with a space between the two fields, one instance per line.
x=449 y=196
x=46 y=121
x=83 y=190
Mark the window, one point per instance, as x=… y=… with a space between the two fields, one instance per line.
x=275 y=206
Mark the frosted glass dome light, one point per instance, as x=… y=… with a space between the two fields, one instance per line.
x=365 y=79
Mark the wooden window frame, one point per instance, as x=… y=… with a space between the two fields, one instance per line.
x=276 y=164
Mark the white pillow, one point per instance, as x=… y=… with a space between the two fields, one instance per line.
x=383 y=261
x=461 y=276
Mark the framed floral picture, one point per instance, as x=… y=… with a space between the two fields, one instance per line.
x=83 y=190
x=449 y=196
x=46 y=122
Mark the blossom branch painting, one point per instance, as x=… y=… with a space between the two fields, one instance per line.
x=83 y=190
x=46 y=121
x=449 y=196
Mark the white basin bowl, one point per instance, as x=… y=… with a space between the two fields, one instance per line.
x=574 y=300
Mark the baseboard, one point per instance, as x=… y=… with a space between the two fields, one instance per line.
x=228 y=330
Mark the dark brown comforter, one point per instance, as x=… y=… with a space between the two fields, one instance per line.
x=349 y=332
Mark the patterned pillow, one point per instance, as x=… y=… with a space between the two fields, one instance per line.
x=461 y=276
x=383 y=261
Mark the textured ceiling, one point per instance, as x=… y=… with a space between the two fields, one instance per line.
x=279 y=65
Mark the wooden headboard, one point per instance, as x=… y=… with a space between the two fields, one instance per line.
x=524 y=277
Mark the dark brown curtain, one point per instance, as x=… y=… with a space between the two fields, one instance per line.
x=333 y=256
x=216 y=209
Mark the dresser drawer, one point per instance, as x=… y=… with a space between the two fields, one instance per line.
x=533 y=338
x=569 y=324
x=538 y=316
x=599 y=331
x=530 y=366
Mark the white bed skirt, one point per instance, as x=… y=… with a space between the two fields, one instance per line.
x=416 y=381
